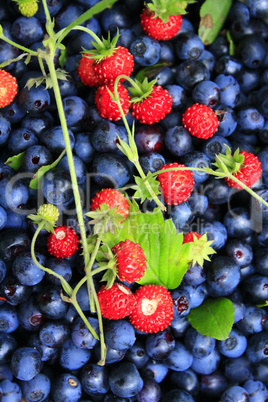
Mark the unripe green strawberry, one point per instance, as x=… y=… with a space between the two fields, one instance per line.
x=28 y=8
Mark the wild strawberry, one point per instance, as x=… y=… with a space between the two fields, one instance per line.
x=247 y=169
x=200 y=121
x=116 y=302
x=87 y=73
x=176 y=185
x=112 y=198
x=106 y=106
x=149 y=103
x=153 y=310
x=157 y=28
x=8 y=88
x=110 y=60
x=189 y=237
x=131 y=262
x=110 y=67
x=63 y=243
x=28 y=8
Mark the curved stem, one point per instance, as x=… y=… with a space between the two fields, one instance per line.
x=24 y=49
x=64 y=283
x=91 y=33
x=130 y=80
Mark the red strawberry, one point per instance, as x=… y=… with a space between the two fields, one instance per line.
x=110 y=67
x=87 y=73
x=176 y=185
x=249 y=172
x=189 y=237
x=153 y=310
x=131 y=262
x=63 y=243
x=152 y=106
x=8 y=88
x=156 y=28
x=200 y=121
x=112 y=198
x=107 y=107
x=116 y=302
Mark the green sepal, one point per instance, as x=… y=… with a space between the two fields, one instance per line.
x=106 y=48
x=61 y=75
x=48 y=226
x=141 y=91
x=200 y=249
x=105 y=214
x=109 y=277
x=15 y=161
x=142 y=191
x=165 y=8
x=228 y=163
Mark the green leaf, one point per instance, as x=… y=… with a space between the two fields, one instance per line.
x=213 y=14
x=142 y=192
x=167 y=258
x=35 y=182
x=214 y=318
x=15 y=161
x=149 y=72
x=6 y=63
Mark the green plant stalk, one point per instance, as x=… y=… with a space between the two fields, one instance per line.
x=24 y=49
x=52 y=71
x=135 y=161
x=64 y=283
x=91 y=33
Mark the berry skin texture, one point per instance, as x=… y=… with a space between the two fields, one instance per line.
x=116 y=302
x=86 y=72
x=107 y=107
x=249 y=174
x=200 y=121
x=176 y=185
x=153 y=310
x=156 y=28
x=8 y=88
x=63 y=243
x=112 y=198
x=131 y=262
x=109 y=68
x=49 y=212
x=28 y=8
x=153 y=108
x=189 y=237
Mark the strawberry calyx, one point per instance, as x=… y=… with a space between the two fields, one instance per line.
x=47 y=215
x=200 y=249
x=141 y=90
x=103 y=48
x=163 y=9
x=228 y=163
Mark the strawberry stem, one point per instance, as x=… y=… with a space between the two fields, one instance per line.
x=91 y=33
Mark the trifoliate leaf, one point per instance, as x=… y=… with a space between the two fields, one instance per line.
x=199 y=250
x=37 y=177
x=142 y=191
x=15 y=161
x=166 y=256
x=212 y=16
x=214 y=318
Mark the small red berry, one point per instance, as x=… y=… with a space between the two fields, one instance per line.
x=200 y=121
x=156 y=28
x=8 y=88
x=131 y=262
x=112 y=198
x=249 y=173
x=176 y=185
x=116 y=302
x=87 y=73
x=108 y=108
x=153 y=310
x=64 y=243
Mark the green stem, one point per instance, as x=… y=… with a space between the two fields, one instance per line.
x=91 y=33
x=53 y=75
x=64 y=283
x=24 y=49
x=47 y=14
x=130 y=80
x=98 y=270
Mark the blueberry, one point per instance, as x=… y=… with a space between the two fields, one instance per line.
x=8 y=345
x=119 y=334
x=53 y=139
x=207 y=93
x=208 y=60
x=80 y=334
x=36 y=156
x=233 y=346
x=197 y=159
x=215 y=231
x=30 y=315
x=229 y=89
x=27 y=30
x=66 y=388
x=125 y=380
x=186 y=380
x=47 y=354
x=151 y=391
x=223 y=276
x=206 y=365
x=227 y=119
x=110 y=170
x=159 y=345
x=76 y=110
x=237 y=369
x=137 y=354
x=251 y=50
x=57 y=187
x=255 y=289
x=151 y=162
x=26 y=270
x=50 y=302
x=229 y=65
x=191 y=72
x=79 y=166
x=116 y=17
x=175 y=395
x=181 y=215
x=237 y=222
x=213 y=385
x=71 y=357
x=83 y=147
x=199 y=345
x=10 y=391
x=94 y=379
x=67 y=15
x=13 y=291
x=105 y=137
x=13 y=194
x=5 y=128
x=178 y=141
x=257 y=390
x=249 y=120
x=54 y=334
x=36 y=389
x=179 y=325
x=26 y=363
x=235 y=393
x=179 y=359
x=12 y=243
x=34 y=100
x=149 y=138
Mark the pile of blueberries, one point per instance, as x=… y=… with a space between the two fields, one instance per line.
x=46 y=352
